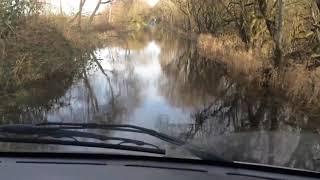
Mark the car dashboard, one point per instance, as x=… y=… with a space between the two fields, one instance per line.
x=115 y=167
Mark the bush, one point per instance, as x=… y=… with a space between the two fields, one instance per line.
x=38 y=52
x=13 y=13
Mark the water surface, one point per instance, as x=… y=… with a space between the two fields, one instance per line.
x=159 y=81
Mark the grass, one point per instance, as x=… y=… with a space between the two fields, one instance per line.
x=36 y=50
x=43 y=57
x=295 y=81
x=43 y=46
x=300 y=85
x=42 y=49
x=231 y=51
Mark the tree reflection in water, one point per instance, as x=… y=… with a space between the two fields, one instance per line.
x=142 y=84
x=238 y=121
x=97 y=94
x=103 y=94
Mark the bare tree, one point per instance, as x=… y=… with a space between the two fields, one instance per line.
x=315 y=10
x=79 y=13
x=61 y=11
x=96 y=9
x=82 y=2
x=278 y=52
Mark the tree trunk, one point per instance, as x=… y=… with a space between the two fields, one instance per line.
x=110 y=14
x=263 y=8
x=318 y=3
x=278 y=52
x=80 y=12
x=94 y=12
x=2 y=47
x=315 y=17
x=61 y=12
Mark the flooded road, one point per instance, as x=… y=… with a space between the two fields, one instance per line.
x=120 y=88
x=161 y=82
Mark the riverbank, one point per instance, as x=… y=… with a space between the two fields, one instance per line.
x=47 y=46
x=45 y=54
x=38 y=50
x=295 y=81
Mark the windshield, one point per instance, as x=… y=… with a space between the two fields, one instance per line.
x=236 y=78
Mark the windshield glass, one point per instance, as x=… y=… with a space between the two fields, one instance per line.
x=237 y=78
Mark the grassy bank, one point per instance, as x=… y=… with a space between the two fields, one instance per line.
x=44 y=47
x=37 y=51
x=38 y=48
x=294 y=81
x=40 y=59
x=271 y=45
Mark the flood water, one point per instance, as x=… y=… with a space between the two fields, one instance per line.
x=161 y=82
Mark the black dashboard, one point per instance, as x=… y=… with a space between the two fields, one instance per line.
x=28 y=166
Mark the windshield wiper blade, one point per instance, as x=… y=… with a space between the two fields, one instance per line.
x=113 y=127
x=67 y=130
x=83 y=144
x=39 y=133
x=195 y=150
x=64 y=133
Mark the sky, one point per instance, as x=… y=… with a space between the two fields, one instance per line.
x=71 y=6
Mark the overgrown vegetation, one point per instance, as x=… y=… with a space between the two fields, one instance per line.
x=273 y=44
x=39 y=54
x=269 y=44
x=43 y=52
x=135 y=13
x=36 y=47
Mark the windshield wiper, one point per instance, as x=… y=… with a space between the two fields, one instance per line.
x=44 y=132
x=82 y=144
x=113 y=127
x=62 y=132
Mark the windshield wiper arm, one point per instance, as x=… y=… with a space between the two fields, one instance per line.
x=65 y=133
x=195 y=150
x=39 y=132
x=82 y=144
x=66 y=130
x=113 y=127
